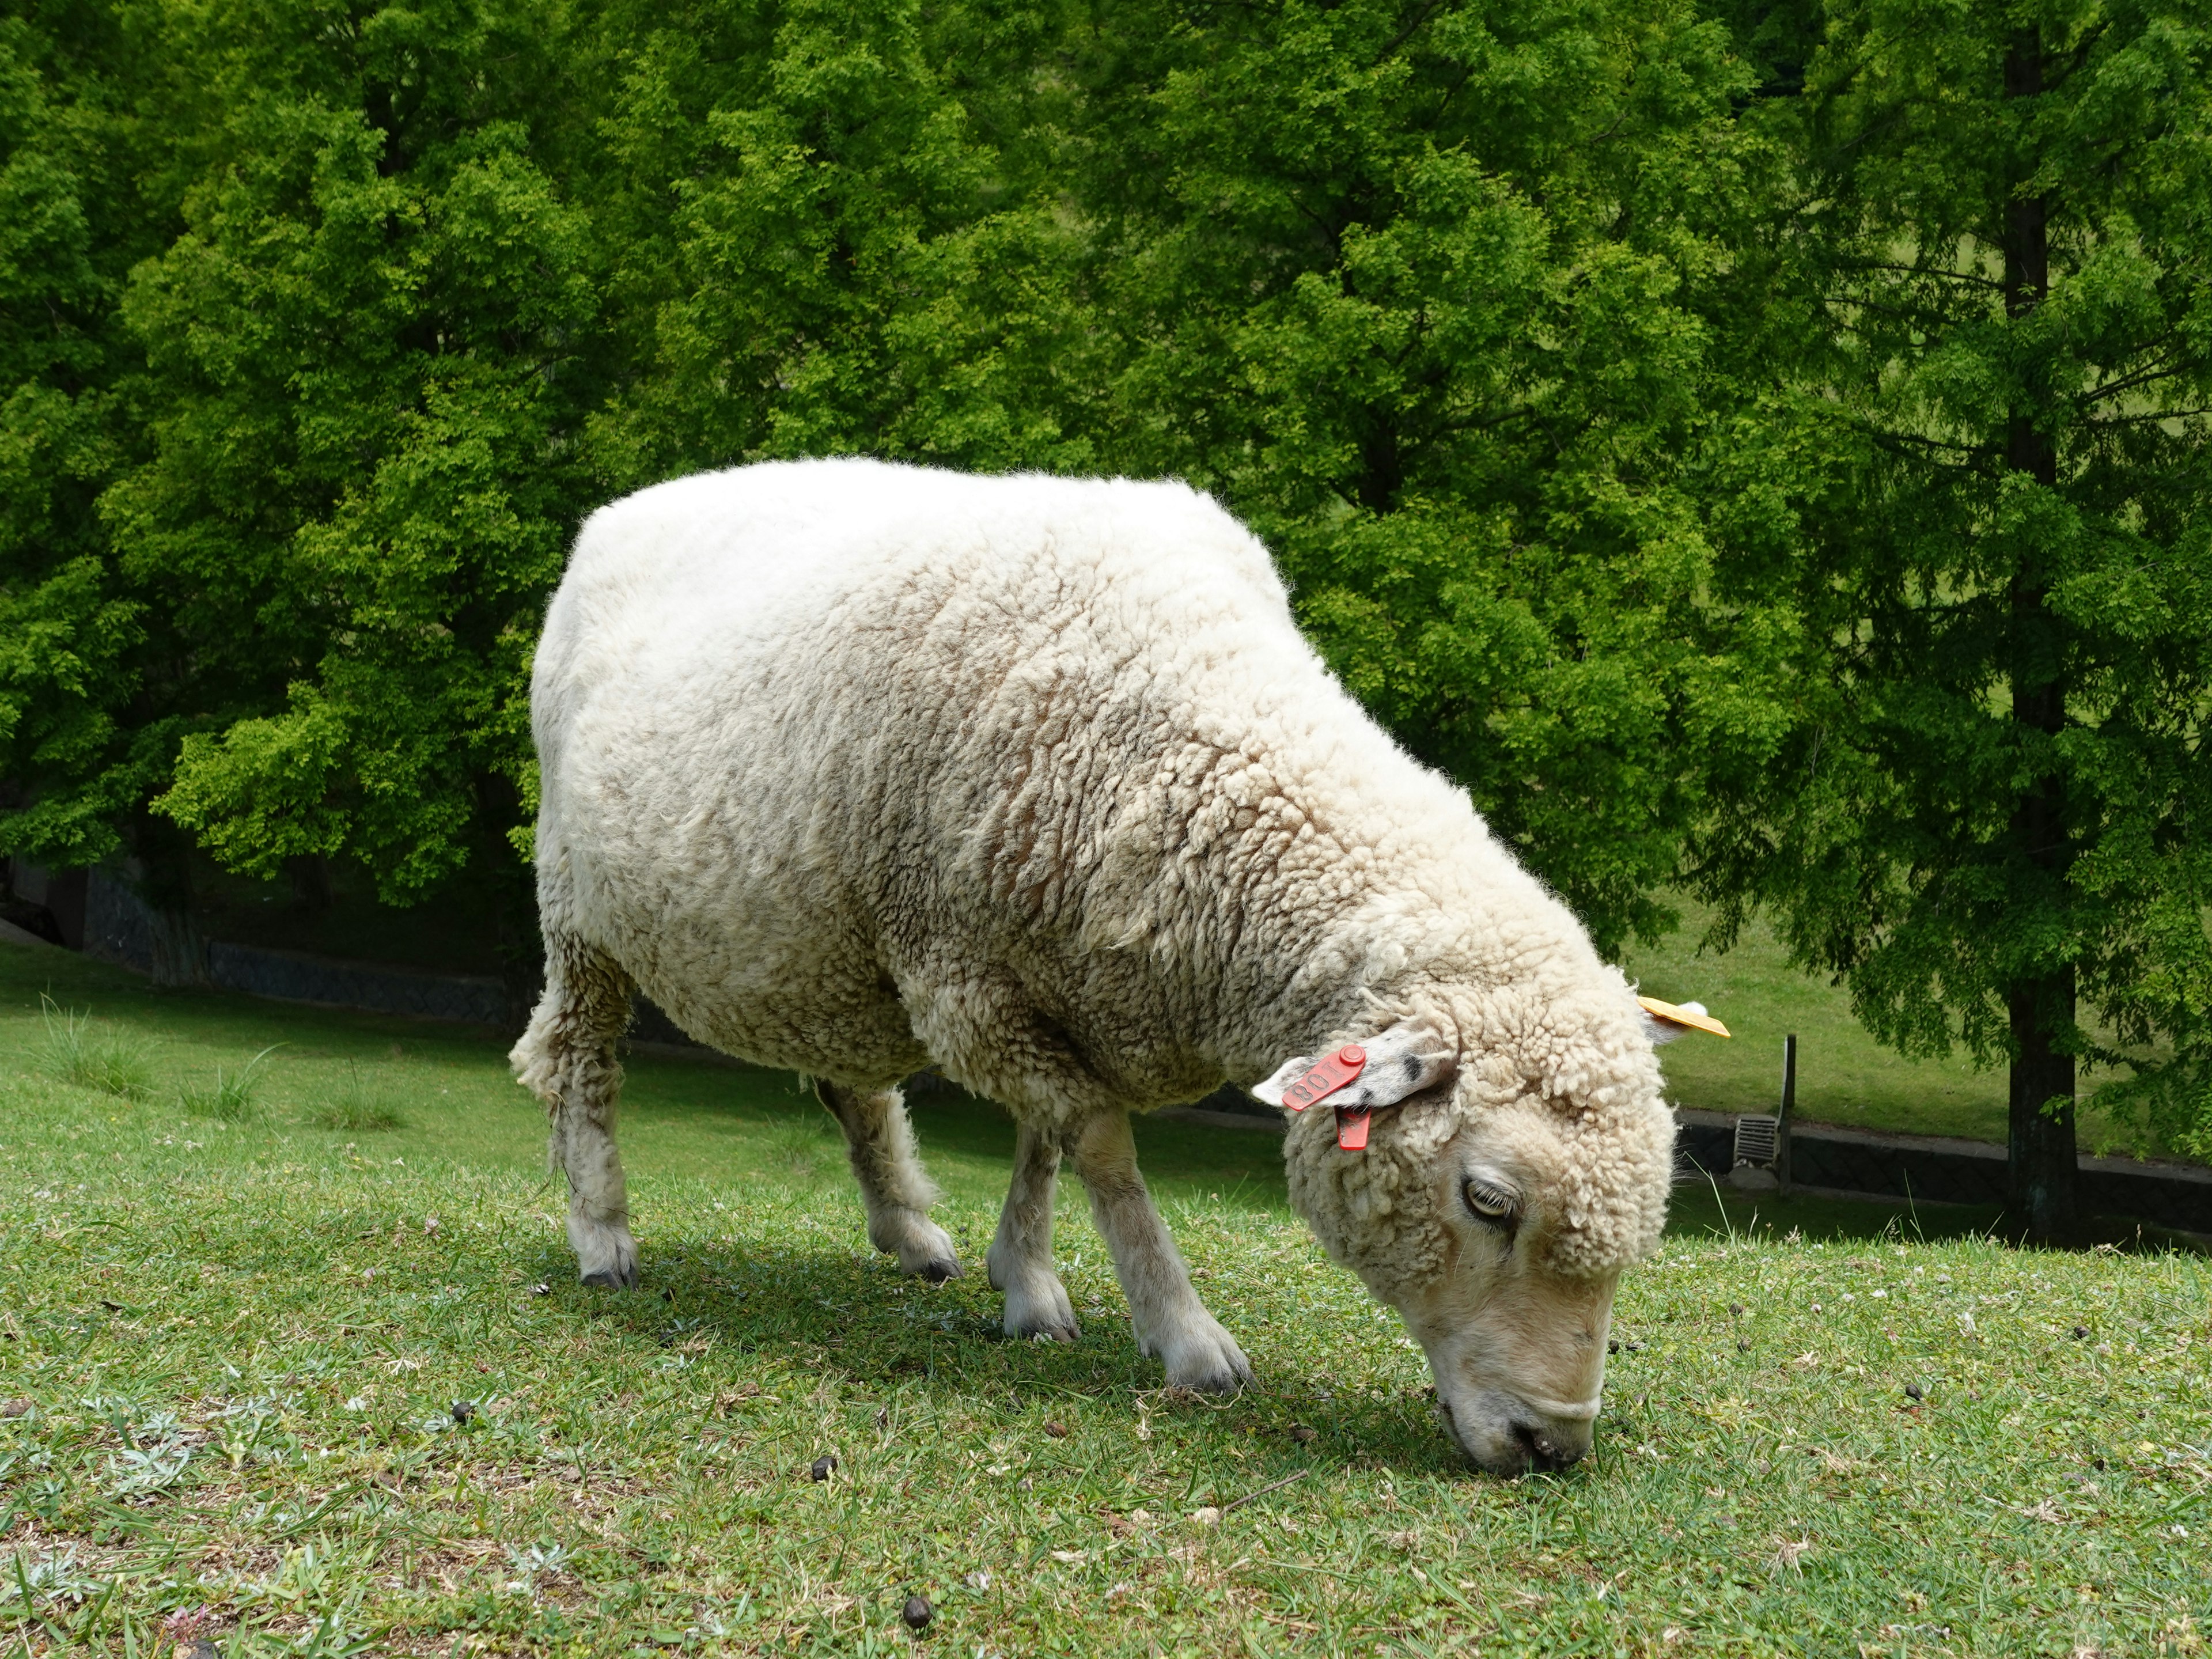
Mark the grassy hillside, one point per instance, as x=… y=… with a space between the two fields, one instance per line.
x=1843 y=1075
x=291 y=1389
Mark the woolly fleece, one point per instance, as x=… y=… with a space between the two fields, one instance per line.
x=852 y=767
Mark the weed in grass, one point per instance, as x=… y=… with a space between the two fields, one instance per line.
x=77 y=1050
x=360 y=1106
x=231 y=1098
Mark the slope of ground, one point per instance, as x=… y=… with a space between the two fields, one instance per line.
x=302 y=1389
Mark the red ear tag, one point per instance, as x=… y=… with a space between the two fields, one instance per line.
x=1352 y=1128
x=1325 y=1076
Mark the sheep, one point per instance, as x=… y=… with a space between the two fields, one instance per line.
x=853 y=767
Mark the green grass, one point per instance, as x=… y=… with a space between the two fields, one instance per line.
x=362 y=1102
x=230 y=1354
x=1843 y=1076
x=75 y=1048
x=232 y=1096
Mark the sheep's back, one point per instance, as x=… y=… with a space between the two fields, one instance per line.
x=801 y=718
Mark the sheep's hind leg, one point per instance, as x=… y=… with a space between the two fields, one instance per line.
x=1020 y=1259
x=893 y=1185
x=566 y=1059
x=1170 y=1321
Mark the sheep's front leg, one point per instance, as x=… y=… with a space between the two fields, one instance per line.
x=896 y=1190
x=566 y=1059
x=1020 y=1259
x=1170 y=1321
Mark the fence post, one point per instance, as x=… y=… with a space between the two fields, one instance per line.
x=1782 y=1117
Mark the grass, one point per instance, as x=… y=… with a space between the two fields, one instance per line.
x=232 y=1097
x=1843 y=1076
x=75 y=1048
x=289 y=1391
x=361 y=1104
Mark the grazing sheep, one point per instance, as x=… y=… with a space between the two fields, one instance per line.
x=853 y=767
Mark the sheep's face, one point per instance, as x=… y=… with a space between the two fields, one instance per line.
x=1499 y=1231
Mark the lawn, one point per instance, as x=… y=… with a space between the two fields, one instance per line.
x=276 y=1386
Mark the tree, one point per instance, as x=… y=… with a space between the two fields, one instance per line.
x=365 y=362
x=436 y=299
x=1431 y=293
x=72 y=221
x=423 y=285
x=834 y=227
x=1997 y=527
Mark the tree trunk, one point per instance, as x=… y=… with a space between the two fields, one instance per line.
x=180 y=953
x=161 y=874
x=311 y=883
x=2042 y=1166
x=2042 y=1172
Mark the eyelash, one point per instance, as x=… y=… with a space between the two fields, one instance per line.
x=1500 y=1211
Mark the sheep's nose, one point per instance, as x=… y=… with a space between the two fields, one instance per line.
x=1549 y=1450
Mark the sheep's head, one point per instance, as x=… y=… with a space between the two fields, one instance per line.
x=1495 y=1206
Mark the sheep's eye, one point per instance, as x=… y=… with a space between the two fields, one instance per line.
x=1487 y=1202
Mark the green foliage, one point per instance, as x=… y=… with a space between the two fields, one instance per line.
x=833 y=228
x=1417 y=289
x=1985 y=486
x=1429 y=294
x=70 y=626
x=1636 y=395
x=366 y=348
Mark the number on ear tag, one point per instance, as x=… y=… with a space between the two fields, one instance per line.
x=1327 y=1075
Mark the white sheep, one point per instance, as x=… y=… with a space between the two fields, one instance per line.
x=853 y=767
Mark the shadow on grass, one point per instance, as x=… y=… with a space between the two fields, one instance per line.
x=848 y=1319
x=967 y=1143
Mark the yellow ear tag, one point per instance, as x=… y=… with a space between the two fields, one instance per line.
x=1674 y=1016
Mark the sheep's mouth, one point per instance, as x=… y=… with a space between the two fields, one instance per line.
x=1545 y=1455
x=1524 y=1444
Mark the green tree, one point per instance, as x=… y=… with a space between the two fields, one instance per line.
x=443 y=291
x=1985 y=485
x=1436 y=296
x=366 y=359
x=410 y=289
x=72 y=221
x=835 y=228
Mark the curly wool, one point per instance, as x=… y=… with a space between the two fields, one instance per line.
x=853 y=767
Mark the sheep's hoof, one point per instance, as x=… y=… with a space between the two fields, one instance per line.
x=1225 y=1381
x=923 y=1248
x=1204 y=1357
x=605 y=1253
x=1042 y=1312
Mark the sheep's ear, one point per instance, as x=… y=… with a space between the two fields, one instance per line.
x=1665 y=1021
x=1403 y=1061
x=1282 y=1076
